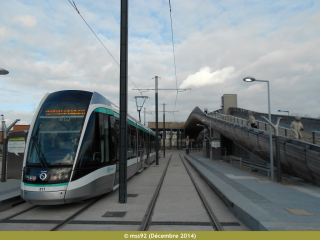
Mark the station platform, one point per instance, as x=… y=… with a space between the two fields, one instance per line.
x=261 y=204
x=9 y=194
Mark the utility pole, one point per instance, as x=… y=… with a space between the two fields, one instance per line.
x=177 y=136
x=164 y=126
x=156 y=96
x=157 y=130
x=144 y=116
x=123 y=101
x=164 y=131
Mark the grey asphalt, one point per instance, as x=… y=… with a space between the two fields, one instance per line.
x=257 y=201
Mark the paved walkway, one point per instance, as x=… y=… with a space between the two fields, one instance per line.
x=257 y=201
x=9 y=193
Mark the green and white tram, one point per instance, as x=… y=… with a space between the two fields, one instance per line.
x=72 y=150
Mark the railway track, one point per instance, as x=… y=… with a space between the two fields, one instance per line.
x=144 y=224
x=59 y=223
x=148 y=215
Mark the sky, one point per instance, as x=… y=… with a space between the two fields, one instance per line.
x=47 y=47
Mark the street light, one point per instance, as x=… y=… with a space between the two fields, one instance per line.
x=284 y=111
x=3 y=71
x=210 y=139
x=252 y=79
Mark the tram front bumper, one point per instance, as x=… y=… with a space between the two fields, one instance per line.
x=44 y=198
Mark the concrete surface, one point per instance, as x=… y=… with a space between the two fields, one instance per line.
x=260 y=203
x=178 y=203
x=9 y=194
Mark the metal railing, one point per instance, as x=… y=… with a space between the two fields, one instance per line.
x=245 y=154
x=264 y=126
x=314 y=139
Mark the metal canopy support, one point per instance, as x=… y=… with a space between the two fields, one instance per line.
x=123 y=101
x=5 y=147
x=157 y=130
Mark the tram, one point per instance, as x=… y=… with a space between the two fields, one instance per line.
x=72 y=149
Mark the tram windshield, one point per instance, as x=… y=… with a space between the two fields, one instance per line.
x=56 y=134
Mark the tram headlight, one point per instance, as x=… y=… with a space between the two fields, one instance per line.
x=59 y=175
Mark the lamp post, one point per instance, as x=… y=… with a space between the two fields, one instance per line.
x=252 y=79
x=4 y=139
x=276 y=132
x=3 y=71
x=210 y=140
x=284 y=111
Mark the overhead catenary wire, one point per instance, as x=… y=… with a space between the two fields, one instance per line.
x=174 y=61
x=73 y=4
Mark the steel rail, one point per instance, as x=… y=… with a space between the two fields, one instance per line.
x=147 y=217
x=213 y=219
x=76 y=213
x=17 y=214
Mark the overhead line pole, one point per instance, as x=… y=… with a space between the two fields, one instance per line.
x=123 y=102
x=156 y=97
x=178 y=136
x=164 y=132
x=157 y=131
x=164 y=128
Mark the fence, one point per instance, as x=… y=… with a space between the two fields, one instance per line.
x=313 y=137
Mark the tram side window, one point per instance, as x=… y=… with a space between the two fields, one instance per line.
x=117 y=134
x=146 y=143
x=94 y=151
x=104 y=137
x=133 y=131
x=140 y=140
x=153 y=143
x=131 y=142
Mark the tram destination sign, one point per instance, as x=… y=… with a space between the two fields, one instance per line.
x=65 y=112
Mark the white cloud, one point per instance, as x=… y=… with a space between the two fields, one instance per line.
x=206 y=78
x=26 y=20
x=218 y=44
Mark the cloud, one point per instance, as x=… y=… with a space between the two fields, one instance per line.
x=49 y=48
x=26 y=20
x=206 y=78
